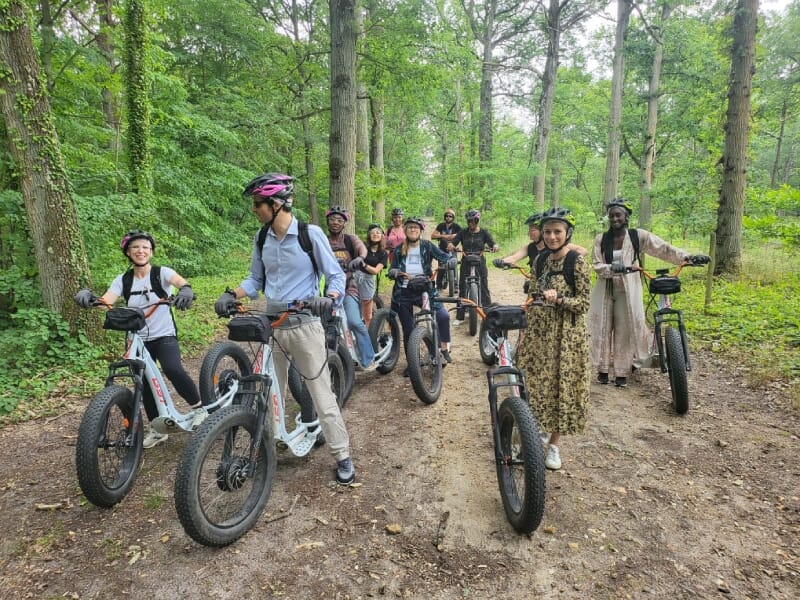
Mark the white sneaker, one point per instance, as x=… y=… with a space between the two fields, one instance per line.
x=456 y=323
x=553 y=460
x=200 y=415
x=153 y=438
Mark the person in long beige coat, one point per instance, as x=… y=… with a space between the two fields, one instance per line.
x=619 y=338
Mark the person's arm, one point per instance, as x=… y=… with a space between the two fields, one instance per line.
x=439 y=254
x=437 y=233
x=456 y=240
x=599 y=264
x=113 y=292
x=653 y=245
x=254 y=283
x=579 y=249
x=359 y=247
x=490 y=242
x=518 y=255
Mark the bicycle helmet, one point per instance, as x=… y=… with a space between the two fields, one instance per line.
x=559 y=214
x=338 y=210
x=472 y=215
x=534 y=220
x=450 y=212
x=136 y=234
x=416 y=221
x=374 y=226
x=621 y=203
x=276 y=188
x=397 y=211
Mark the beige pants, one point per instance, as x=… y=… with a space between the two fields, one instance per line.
x=306 y=344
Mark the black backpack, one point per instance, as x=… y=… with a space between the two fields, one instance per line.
x=607 y=246
x=533 y=252
x=155 y=284
x=568 y=271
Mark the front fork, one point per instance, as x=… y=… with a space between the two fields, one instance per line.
x=515 y=379
x=134 y=369
x=670 y=316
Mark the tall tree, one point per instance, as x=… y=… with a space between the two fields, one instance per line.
x=34 y=146
x=342 y=162
x=611 y=180
x=737 y=135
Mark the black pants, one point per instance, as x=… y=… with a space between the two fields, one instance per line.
x=167 y=352
x=483 y=274
x=441 y=276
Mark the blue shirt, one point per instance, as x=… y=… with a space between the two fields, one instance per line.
x=289 y=273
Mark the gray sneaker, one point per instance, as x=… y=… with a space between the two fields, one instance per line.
x=345 y=471
x=153 y=438
x=200 y=415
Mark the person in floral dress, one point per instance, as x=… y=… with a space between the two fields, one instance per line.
x=554 y=355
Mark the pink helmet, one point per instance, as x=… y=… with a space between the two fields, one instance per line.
x=277 y=187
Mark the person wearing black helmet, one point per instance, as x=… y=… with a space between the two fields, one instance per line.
x=376 y=260
x=445 y=232
x=473 y=240
x=285 y=273
x=554 y=351
x=620 y=337
x=142 y=285
x=415 y=257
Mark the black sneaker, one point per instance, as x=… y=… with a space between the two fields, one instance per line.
x=446 y=357
x=621 y=382
x=345 y=471
x=602 y=378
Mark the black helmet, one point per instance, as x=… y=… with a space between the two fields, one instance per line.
x=397 y=211
x=621 y=203
x=559 y=214
x=534 y=219
x=136 y=234
x=275 y=187
x=374 y=226
x=473 y=214
x=338 y=210
x=416 y=221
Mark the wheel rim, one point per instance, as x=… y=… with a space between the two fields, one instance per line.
x=513 y=466
x=116 y=456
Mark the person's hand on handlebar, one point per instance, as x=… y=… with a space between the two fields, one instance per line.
x=319 y=305
x=618 y=268
x=226 y=304
x=500 y=263
x=698 y=260
x=85 y=298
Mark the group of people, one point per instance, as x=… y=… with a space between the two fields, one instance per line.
x=289 y=259
x=602 y=326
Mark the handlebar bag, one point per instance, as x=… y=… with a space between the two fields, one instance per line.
x=125 y=318
x=665 y=285
x=506 y=318
x=250 y=328
x=469 y=260
x=419 y=284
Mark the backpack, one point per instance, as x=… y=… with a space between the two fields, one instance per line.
x=568 y=271
x=533 y=252
x=155 y=284
x=607 y=245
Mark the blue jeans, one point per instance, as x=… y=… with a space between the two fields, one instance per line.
x=359 y=331
x=404 y=307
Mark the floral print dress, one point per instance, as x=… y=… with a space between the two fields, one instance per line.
x=554 y=355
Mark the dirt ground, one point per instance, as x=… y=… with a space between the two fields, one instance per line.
x=648 y=504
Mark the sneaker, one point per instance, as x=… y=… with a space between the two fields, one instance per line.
x=545 y=439
x=153 y=438
x=456 y=323
x=446 y=356
x=553 y=460
x=621 y=382
x=200 y=415
x=602 y=378
x=371 y=367
x=345 y=471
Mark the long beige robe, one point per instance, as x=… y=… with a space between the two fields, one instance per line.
x=618 y=356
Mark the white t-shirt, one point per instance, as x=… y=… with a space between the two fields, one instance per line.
x=160 y=323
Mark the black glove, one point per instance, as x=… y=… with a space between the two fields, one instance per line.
x=85 y=298
x=184 y=298
x=499 y=263
x=226 y=304
x=356 y=264
x=319 y=305
x=393 y=273
x=617 y=268
x=699 y=259
x=452 y=262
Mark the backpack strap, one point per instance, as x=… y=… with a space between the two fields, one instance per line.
x=155 y=283
x=304 y=239
x=607 y=245
x=568 y=270
x=634 y=235
x=533 y=252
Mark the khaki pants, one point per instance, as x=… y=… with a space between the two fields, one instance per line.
x=306 y=344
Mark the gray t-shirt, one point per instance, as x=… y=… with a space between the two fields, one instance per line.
x=160 y=323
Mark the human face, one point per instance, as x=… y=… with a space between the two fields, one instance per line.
x=262 y=209
x=140 y=251
x=397 y=220
x=335 y=224
x=534 y=233
x=618 y=218
x=449 y=217
x=413 y=233
x=473 y=224
x=375 y=235
x=555 y=234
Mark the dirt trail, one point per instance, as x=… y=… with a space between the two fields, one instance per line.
x=648 y=504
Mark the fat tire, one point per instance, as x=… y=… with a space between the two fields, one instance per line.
x=338 y=377
x=423 y=357
x=349 y=369
x=107 y=473
x=379 y=337
x=519 y=438
x=473 y=313
x=212 y=382
x=676 y=365
x=201 y=488
x=487 y=350
x=451 y=282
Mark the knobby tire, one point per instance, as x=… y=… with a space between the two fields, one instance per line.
x=383 y=329
x=225 y=363
x=109 y=447
x=424 y=366
x=488 y=355
x=473 y=314
x=676 y=364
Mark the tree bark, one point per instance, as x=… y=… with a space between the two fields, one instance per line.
x=611 y=181
x=34 y=146
x=773 y=178
x=737 y=134
x=376 y=156
x=342 y=161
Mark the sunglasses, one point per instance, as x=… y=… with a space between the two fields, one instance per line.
x=449 y=216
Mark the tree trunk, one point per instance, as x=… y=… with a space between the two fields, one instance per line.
x=33 y=143
x=48 y=42
x=611 y=181
x=773 y=178
x=376 y=157
x=136 y=91
x=308 y=155
x=342 y=161
x=546 y=100
x=105 y=42
x=653 y=96
x=737 y=131
x=485 y=125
